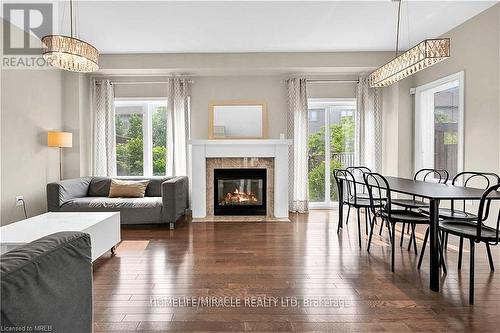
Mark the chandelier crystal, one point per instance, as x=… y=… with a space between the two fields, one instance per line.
x=70 y=54
x=425 y=54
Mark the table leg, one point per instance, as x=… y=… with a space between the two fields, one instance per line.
x=434 y=246
x=341 y=204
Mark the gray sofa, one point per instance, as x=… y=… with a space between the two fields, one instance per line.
x=165 y=201
x=46 y=285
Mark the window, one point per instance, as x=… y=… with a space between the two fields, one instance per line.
x=141 y=137
x=331 y=145
x=439 y=124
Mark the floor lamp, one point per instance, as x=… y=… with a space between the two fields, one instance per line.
x=60 y=140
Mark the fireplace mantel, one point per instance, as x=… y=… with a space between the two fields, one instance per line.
x=203 y=149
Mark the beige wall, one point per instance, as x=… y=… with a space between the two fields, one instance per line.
x=205 y=89
x=475 y=49
x=31 y=105
x=76 y=119
x=247 y=76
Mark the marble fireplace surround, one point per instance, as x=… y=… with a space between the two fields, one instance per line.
x=206 y=155
x=240 y=163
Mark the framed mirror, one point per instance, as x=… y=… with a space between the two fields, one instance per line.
x=237 y=120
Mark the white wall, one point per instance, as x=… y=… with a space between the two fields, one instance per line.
x=31 y=106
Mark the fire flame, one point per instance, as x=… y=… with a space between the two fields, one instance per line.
x=236 y=197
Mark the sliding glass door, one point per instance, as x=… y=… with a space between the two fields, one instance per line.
x=331 y=146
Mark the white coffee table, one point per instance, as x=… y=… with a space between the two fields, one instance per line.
x=104 y=229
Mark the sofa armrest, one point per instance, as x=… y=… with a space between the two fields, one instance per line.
x=174 y=194
x=48 y=282
x=65 y=190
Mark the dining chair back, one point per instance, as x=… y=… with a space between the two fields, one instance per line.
x=481 y=180
x=378 y=191
x=439 y=175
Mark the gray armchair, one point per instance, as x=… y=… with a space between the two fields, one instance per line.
x=46 y=285
x=165 y=201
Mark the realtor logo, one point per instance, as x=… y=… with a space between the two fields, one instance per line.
x=23 y=25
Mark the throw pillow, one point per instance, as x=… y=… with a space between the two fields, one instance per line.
x=128 y=188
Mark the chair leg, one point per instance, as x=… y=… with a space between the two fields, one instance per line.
x=441 y=253
x=389 y=230
x=460 y=252
x=371 y=233
x=423 y=248
x=414 y=238
x=471 y=273
x=446 y=242
x=490 y=258
x=393 y=248
x=402 y=235
x=411 y=240
x=348 y=212
x=359 y=229
x=381 y=227
x=366 y=221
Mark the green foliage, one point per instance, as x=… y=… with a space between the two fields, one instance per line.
x=159 y=160
x=160 y=127
x=341 y=141
x=450 y=138
x=442 y=118
x=135 y=126
x=130 y=155
x=119 y=126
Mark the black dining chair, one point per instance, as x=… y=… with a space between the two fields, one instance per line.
x=350 y=195
x=457 y=211
x=379 y=189
x=425 y=175
x=358 y=172
x=476 y=231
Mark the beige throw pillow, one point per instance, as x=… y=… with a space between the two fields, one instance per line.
x=128 y=188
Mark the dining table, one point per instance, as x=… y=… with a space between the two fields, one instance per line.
x=435 y=193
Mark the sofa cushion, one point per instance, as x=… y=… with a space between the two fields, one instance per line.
x=105 y=202
x=132 y=210
x=99 y=186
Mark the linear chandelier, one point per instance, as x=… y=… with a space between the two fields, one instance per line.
x=70 y=53
x=425 y=54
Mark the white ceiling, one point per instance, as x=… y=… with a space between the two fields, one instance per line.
x=256 y=26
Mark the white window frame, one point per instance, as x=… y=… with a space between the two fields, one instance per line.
x=326 y=104
x=148 y=106
x=424 y=120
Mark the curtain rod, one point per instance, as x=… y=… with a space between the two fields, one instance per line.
x=327 y=81
x=138 y=82
x=331 y=81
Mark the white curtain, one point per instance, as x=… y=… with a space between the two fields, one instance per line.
x=104 y=129
x=298 y=152
x=368 y=140
x=178 y=127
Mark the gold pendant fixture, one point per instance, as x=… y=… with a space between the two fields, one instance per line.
x=70 y=53
x=425 y=54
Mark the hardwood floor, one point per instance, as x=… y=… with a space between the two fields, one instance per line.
x=304 y=260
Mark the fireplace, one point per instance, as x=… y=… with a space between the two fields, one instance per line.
x=240 y=191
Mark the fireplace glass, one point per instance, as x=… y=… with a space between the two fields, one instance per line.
x=240 y=191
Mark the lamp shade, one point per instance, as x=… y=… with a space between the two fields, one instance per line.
x=60 y=139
